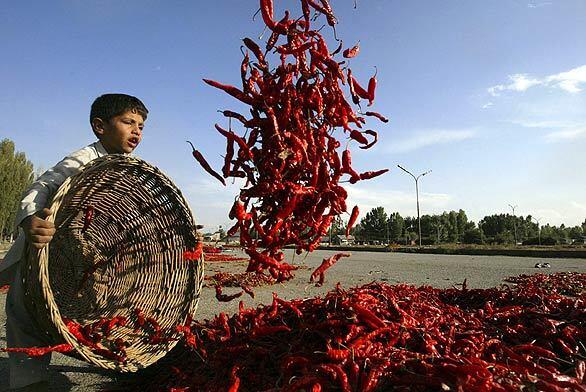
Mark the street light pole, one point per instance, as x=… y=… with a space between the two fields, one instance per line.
x=417 y=194
x=514 y=222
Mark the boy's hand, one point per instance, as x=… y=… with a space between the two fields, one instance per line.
x=37 y=230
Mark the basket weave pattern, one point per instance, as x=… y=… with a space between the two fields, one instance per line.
x=140 y=228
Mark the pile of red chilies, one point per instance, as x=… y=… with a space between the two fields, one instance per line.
x=380 y=338
x=215 y=257
x=570 y=283
x=289 y=155
x=98 y=336
x=251 y=279
x=211 y=250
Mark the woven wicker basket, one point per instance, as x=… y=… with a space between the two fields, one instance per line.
x=140 y=229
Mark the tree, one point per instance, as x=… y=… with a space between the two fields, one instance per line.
x=338 y=226
x=374 y=225
x=396 y=225
x=15 y=176
x=472 y=236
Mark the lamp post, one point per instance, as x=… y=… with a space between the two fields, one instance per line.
x=514 y=222
x=417 y=194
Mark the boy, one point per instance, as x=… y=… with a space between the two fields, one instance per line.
x=117 y=120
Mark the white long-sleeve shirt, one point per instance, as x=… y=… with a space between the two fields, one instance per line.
x=41 y=191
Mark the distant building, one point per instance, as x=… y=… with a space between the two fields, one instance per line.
x=233 y=238
x=341 y=239
x=337 y=240
x=210 y=237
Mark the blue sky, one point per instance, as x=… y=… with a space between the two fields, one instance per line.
x=491 y=96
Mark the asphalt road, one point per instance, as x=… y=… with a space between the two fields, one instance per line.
x=363 y=267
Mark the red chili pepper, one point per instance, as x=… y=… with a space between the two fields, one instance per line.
x=248 y=290
x=239 y=212
x=372 y=88
x=140 y=318
x=268 y=330
x=233 y=91
x=327 y=263
x=89 y=214
x=195 y=254
x=226 y=298
x=240 y=141
x=337 y=355
x=352 y=52
x=368 y=317
x=250 y=44
x=39 y=351
x=205 y=165
x=350 y=79
x=353 y=217
x=286 y=49
x=237 y=116
x=372 y=133
x=118 y=321
x=371 y=174
x=234 y=379
x=358 y=136
x=377 y=115
x=360 y=91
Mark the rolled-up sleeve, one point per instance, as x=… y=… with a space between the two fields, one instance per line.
x=44 y=187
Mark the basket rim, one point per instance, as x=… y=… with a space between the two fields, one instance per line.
x=41 y=256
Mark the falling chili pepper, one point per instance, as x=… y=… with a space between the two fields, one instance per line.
x=371 y=174
x=377 y=115
x=352 y=52
x=327 y=263
x=372 y=88
x=352 y=220
x=358 y=136
x=205 y=165
x=233 y=91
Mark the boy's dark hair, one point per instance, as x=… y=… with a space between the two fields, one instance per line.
x=110 y=105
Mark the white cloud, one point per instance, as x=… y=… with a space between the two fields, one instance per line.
x=429 y=138
x=545 y=124
x=567 y=134
x=488 y=105
x=519 y=82
x=569 y=81
x=538 y=5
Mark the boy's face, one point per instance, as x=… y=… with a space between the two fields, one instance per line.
x=121 y=134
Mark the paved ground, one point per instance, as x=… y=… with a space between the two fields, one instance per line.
x=363 y=267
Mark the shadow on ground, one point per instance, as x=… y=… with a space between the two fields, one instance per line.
x=69 y=378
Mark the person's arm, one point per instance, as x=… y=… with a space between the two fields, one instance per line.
x=32 y=213
x=37 y=230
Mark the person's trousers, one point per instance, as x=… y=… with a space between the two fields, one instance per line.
x=21 y=331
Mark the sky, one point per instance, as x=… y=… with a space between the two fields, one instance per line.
x=489 y=95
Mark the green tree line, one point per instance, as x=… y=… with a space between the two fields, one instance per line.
x=16 y=174
x=378 y=227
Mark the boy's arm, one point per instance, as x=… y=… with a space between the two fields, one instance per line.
x=44 y=187
x=32 y=212
x=37 y=230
